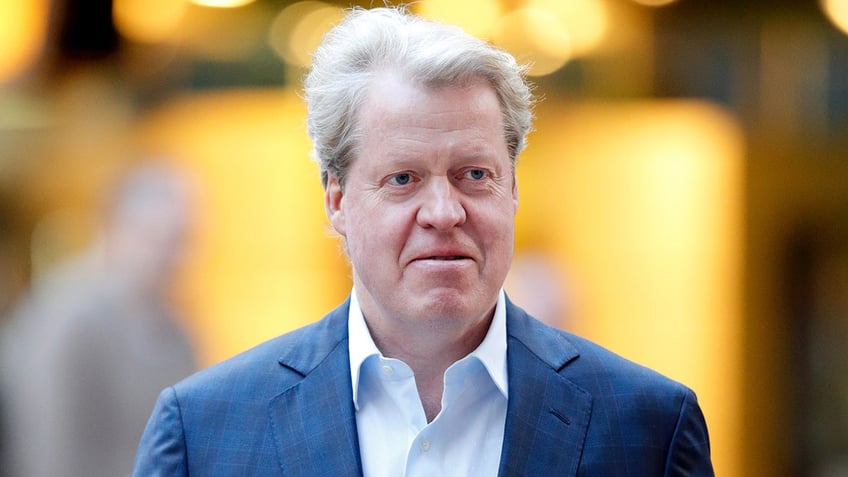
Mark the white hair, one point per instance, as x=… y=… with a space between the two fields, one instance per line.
x=372 y=42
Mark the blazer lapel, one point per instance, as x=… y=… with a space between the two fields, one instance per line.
x=313 y=420
x=547 y=415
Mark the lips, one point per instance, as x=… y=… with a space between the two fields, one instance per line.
x=442 y=256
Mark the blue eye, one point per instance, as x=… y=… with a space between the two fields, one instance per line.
x=403 y=178
x=475 y=174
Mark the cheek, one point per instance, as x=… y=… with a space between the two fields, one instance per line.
x=498 y=236
x=497 y=220
x=372 y=233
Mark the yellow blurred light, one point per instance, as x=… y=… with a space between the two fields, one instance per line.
x=221 y=3
x=23 y=29
x=477 y=17
x=536 y=37
x=642 y=203
x=585 y=20
x=263 y=261
x=654 y=3
x=298 y=29
x=148 y=21
x=837 y=13
x=223 y=35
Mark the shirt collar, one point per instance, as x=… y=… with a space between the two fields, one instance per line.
x=491 y=352
x=360 y=344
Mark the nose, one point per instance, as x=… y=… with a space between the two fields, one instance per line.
x=440 y=208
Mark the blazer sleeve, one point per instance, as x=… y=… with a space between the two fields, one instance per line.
x=162 y=450
x=689 y=452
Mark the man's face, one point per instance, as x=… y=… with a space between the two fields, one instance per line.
x=428 y=206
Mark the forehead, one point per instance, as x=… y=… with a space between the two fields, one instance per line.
x=407 y=114
x=391 y=93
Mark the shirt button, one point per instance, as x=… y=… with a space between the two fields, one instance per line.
x=425 y=445
x=387 y=370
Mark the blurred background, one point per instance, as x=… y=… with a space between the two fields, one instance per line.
x=684 y=196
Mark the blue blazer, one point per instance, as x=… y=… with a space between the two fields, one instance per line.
x=286 y=408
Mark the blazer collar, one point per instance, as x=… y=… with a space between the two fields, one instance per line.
x=313 y=421
x=322 y=337
x=547 y=415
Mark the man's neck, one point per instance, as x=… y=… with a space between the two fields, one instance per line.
x=429 y=355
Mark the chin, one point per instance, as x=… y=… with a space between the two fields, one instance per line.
x=453 y=304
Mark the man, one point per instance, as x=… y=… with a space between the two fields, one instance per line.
x=427 y=369
x=97 y=337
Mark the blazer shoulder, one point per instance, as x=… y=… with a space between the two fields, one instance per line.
x=599 y=363
x=586 y=363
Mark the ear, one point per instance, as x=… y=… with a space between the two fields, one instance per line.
x=333 y=196
x=515 y=195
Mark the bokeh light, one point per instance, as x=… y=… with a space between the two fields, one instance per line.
x=837 y=13
x=221 y=3
x=263 y=252
x=585 y=20
x=642 y=203
x=223 y=35
x=477 y=17
x=148 y=21
x=655 y=3
x=535 y=37
x=297 y=30
x=23 y=26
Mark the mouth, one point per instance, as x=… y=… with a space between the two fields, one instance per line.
x=443 y=260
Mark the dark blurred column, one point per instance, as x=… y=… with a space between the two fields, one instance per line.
x=85 y=29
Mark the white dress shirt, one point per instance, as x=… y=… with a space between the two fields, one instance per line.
x=395 y=439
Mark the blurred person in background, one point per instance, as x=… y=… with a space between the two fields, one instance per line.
x=95 y=340
x=541 y=287
x=428 y=368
